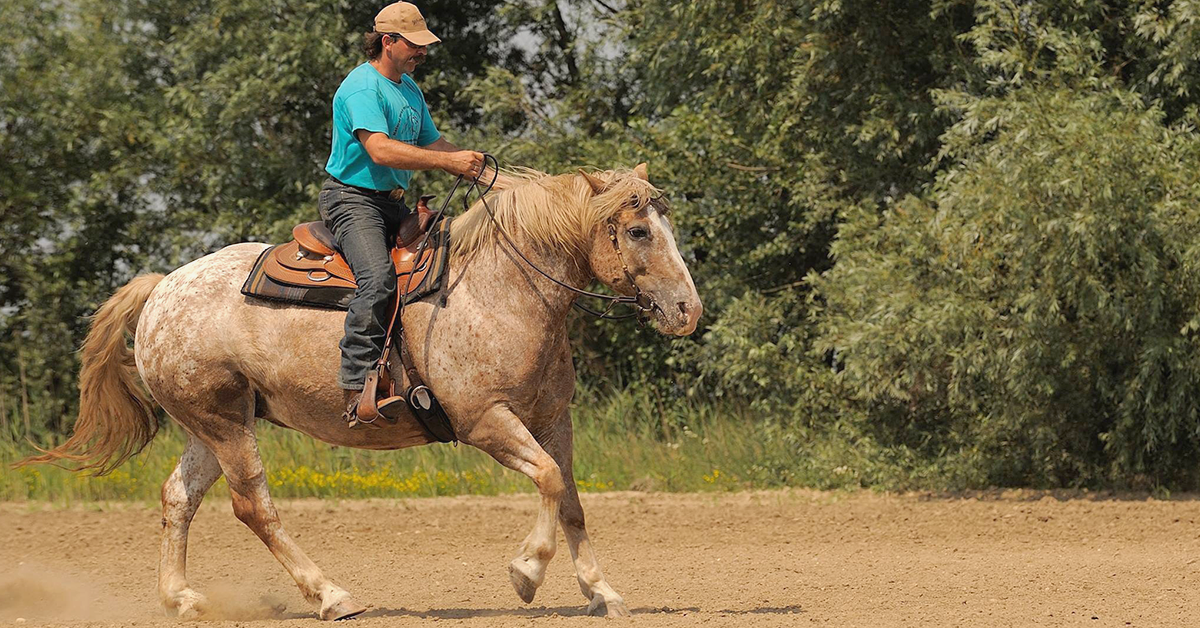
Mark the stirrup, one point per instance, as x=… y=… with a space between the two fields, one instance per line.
x=366 y=411
x=353 y=421
x=419 y=398
x=430 y=413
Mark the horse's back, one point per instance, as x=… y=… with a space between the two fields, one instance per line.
x=202 y=344
x=195 y=300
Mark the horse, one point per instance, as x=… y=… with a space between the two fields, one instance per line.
x=492 y=346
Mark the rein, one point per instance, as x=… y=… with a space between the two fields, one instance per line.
x=643 y=303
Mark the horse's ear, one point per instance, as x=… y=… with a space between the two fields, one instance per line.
x=640 y=171
x=597 y=185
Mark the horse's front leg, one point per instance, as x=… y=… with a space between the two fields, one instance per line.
x=502 y=435
x=602 y=599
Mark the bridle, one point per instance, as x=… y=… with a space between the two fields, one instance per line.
x=640 y=301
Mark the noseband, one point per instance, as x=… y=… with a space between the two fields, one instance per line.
x=640 y=301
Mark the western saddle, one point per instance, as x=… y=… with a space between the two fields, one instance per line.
x=312 y=258
x=311 y=262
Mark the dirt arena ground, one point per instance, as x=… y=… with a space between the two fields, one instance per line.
x=791 y=558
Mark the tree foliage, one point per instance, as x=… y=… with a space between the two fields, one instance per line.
x=1029 y=315
x=1034 y=311
x=954 y=234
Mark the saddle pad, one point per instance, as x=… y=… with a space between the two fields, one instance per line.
x=337 y=294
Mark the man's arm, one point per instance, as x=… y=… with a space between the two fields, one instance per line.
x=442 y=145
x=440 y=155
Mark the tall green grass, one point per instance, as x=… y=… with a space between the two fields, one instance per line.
x=623 y=440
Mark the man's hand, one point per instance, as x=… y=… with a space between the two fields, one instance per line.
x=467 y=163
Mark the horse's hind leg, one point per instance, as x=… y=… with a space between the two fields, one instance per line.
x=181 y=496
x=602 y=599
x=502 y=435
x=238 y=454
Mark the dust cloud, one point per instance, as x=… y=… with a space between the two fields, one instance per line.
x=227 y=602
x=40 y=592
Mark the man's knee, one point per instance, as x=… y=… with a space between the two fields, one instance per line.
x=379 y=279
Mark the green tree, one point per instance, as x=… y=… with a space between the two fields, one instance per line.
x=70 y=138
x=183 y=127
x=1029 y=320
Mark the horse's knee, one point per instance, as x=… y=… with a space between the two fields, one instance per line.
x=252 y=512
x=175 y=499
x=549 y=480
x=184 y=489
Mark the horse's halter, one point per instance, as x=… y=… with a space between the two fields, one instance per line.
x=642 y=302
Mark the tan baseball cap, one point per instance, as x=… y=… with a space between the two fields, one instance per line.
x=405 y=19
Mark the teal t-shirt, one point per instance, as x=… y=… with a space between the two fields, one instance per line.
x=369 y=100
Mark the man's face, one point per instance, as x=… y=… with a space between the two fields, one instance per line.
x=404 y=55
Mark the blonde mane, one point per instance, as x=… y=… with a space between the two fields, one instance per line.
x=557 y=211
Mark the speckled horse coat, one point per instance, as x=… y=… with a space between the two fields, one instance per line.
x=496 y=355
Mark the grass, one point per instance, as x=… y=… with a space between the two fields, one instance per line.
x=623 y=440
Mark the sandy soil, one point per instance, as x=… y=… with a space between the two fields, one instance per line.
x=790 y=558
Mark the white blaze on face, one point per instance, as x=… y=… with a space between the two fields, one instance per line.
x=668 y=236
x=684 y=302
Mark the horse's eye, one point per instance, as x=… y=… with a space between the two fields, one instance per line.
x=639 y=233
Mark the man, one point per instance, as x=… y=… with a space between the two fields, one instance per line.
x=382 y=131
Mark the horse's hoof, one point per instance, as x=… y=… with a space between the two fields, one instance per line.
x=188 y=613
x=189 y=606
x=344 y=608
x=599 y=607
x=521 y=580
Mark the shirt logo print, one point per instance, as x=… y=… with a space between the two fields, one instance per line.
x=408 y=126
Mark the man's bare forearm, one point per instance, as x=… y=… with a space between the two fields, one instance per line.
x=401 y=156
x=393 y=154
x=443 y=145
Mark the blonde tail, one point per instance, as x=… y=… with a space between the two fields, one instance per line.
x=116 y=416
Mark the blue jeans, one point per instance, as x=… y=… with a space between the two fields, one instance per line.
x=364 y=227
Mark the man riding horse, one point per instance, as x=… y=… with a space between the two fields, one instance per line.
x=382 y=132
x=494 y=345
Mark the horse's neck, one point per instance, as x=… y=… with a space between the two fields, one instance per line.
x=500 y=276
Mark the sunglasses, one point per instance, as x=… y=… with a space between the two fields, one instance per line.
x=398 y=37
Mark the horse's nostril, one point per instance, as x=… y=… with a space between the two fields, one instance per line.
x=683 y=307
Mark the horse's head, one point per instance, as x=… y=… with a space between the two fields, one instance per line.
x=634 y=249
